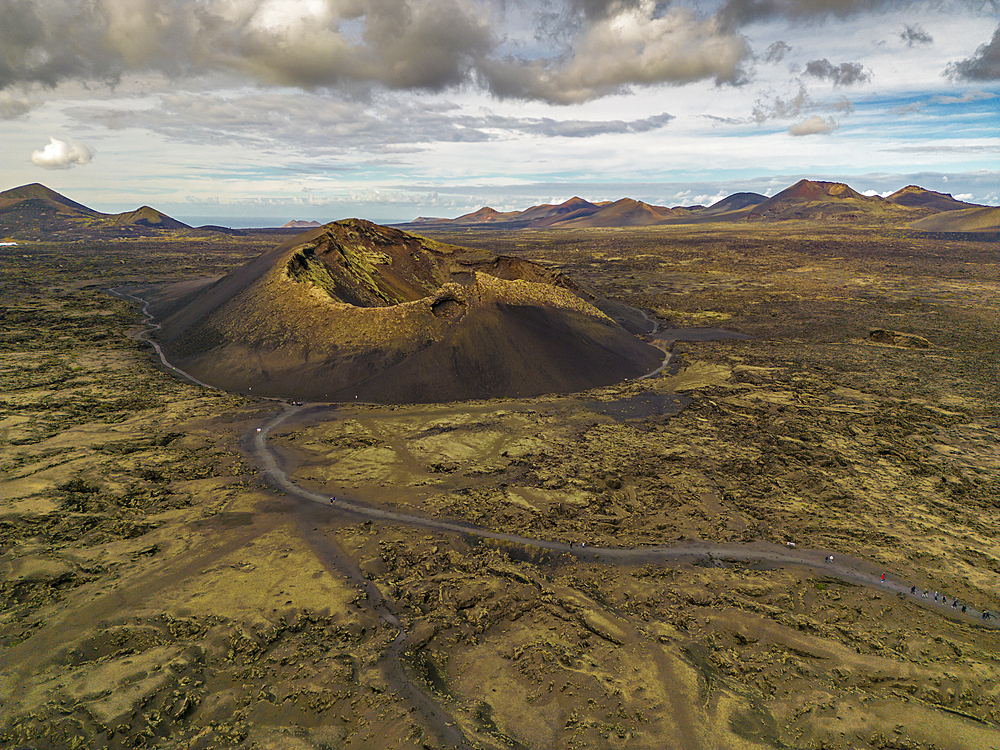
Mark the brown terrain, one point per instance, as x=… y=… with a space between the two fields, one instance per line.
x=157 y=591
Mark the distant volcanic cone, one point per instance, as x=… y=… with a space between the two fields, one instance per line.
x=355 y=310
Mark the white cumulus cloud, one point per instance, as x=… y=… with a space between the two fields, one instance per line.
x=61 y=154
x=814 y=125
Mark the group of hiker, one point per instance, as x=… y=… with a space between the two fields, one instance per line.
x=940 y=598
x=943 y=599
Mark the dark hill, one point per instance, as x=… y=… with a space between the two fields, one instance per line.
x=34 y=212
x=735 y=202
x=913 y=196
x=358 y=310
x=147 y=217
x=43 y=196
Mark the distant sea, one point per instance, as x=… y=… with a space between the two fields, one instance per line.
x=236 y=222
x=265 y=222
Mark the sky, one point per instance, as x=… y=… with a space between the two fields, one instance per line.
x=255 y=112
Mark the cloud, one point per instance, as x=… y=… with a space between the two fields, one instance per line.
x=813 y=126
x=637 y=46
x=969 y=96
x=602 y=46
x=906 y=109
x=843 y=105
x=915 y=34
x=61 y=154
x=546 y=126
x=982 y=66
x=778 y=108
x=777 y=51
x=726 y=120
x=741 y=12
x=845 y=74
x=322 y=125
x=13 y=106
x=930 y=148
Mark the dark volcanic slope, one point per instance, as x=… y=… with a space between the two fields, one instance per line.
x=357 y=310
x=981 y=219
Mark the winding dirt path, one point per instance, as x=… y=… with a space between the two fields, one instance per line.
x=843 y=567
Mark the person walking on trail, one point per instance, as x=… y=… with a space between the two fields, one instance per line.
x=913 y=590
x=883 y=578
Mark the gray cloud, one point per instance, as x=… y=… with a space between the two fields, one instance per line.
x=968 y=96
x=604 y=46
x=907 y=109
x=740 y=12
x=635 y=47
x=982 y=66
x=845 y=74
x=915 y=34
x=726 y=120
x=13 y=106
x=321 y=125
x=843 y=105
x=814 y=125
x=777 y=51
x=779 y=109
x=570 y=128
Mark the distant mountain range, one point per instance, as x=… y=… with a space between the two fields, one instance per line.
x=806 y=200
x=36 y=212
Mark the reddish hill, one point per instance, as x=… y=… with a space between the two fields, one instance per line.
x=484 y=215
x=625 y=213
x=812 y=200
x=571 y=210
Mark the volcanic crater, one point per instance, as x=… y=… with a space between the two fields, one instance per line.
x=353 y=310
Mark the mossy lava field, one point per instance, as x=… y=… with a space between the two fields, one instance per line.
x=157 y=592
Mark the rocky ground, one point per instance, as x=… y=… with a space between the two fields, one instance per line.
x=155 y=593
